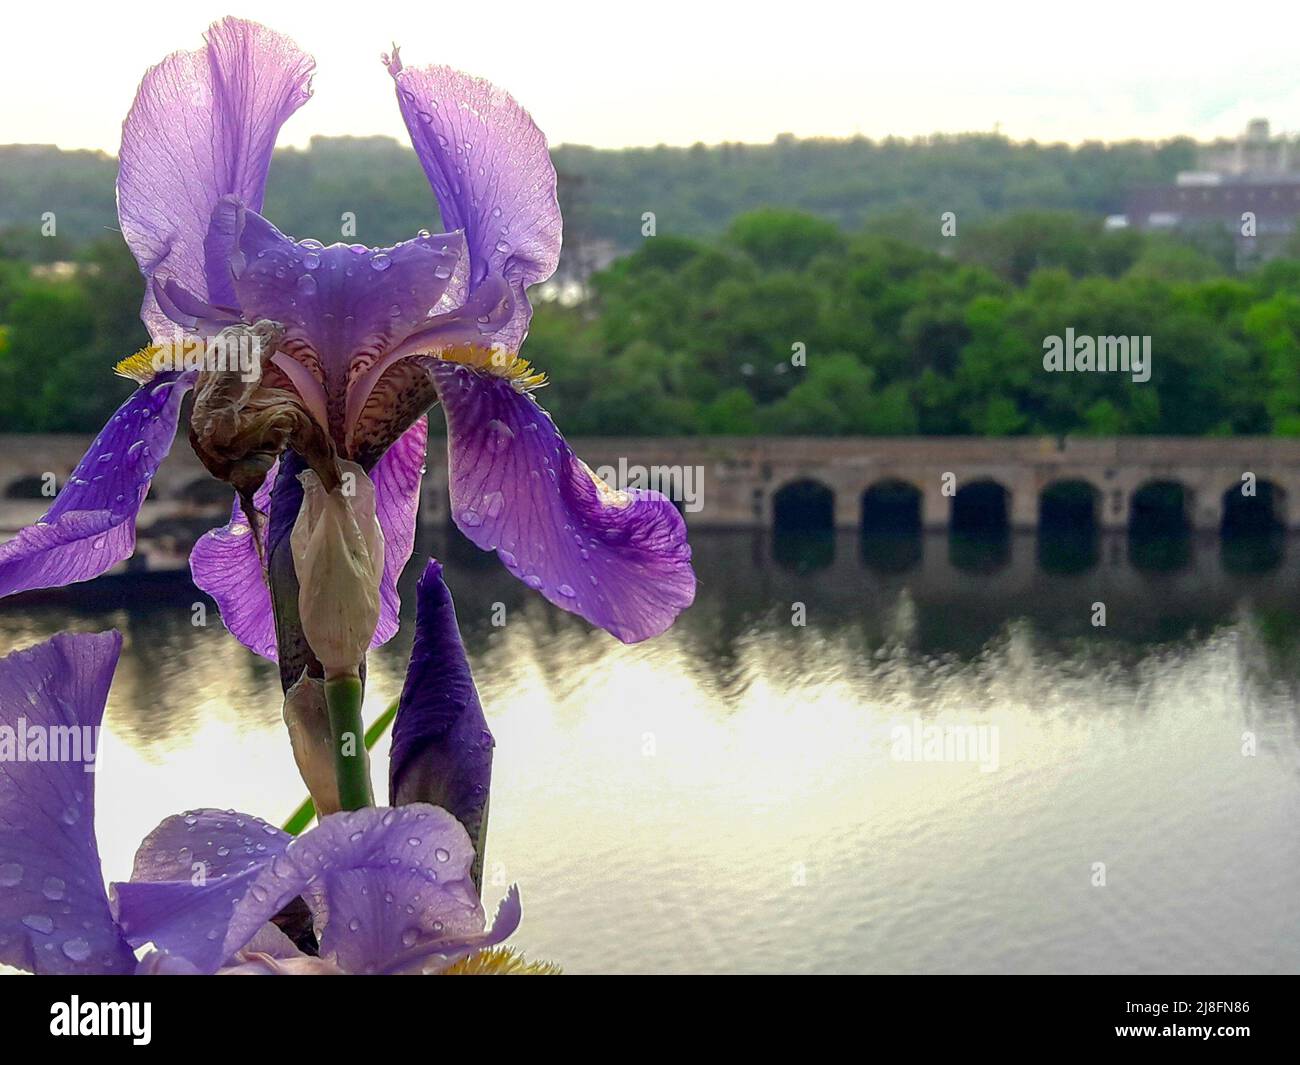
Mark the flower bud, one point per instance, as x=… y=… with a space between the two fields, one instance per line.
x=338 y=554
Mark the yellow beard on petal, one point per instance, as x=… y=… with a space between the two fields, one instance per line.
x=500 y=961
x=495 y=361
x=140 y=366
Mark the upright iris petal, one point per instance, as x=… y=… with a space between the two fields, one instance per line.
x=54 y=913
x=203 y=126
x=492 y=174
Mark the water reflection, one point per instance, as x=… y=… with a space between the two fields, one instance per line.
x=728 y=798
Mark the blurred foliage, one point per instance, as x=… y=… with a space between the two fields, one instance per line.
x=850 y=317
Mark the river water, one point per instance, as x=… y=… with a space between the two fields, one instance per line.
x=767 y=787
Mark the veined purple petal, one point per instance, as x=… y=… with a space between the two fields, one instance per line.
x=618 y=559
x=203 y=885
x=442 y=749
x=397 y=476
x=203 y=126
x=91 y=526
x=492 y=174
x=225 y=565
x=340 y=303
x=54 y=913
x=381 y=882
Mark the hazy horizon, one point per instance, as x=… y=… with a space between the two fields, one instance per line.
x=682 y=74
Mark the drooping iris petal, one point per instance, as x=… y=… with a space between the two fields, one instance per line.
x=203 y=126
x=91 y=526
x=382 y=883
x=618 y=559
x=397 y=478
x=342 y=306
x=202 y=885
x=54 y=913
x=492 y=174
x=442 y=749
x=225 y=565
x=393 y=880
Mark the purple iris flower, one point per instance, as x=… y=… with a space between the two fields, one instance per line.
x=360 y=343
x=388 y=890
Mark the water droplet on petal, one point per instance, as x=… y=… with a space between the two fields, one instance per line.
x=53 y=888
x=380 y=261
x=11 y=874
x=442 y=855
x=76 y=949
x=499 y=435
x=311 y=260
x=307 y=285
x=38 y=922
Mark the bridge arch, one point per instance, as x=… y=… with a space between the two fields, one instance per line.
x=803 y=505
x=891 y=506
x=1260 y=507
x=1160 y=507
x=981 y=506
x=1070 y=504
x=31 y=486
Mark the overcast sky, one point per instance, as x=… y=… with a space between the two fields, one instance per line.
x=614 y=74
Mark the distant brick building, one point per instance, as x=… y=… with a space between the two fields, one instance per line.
x=1249 y=186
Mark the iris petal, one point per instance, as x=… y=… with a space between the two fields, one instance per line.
x=397 y=478
x=225 y=565
x=203 y=126
x=340 y=302
x=382 y=883
x=91 y=526
x=492 y=175
x=618 y=559
x=54 y=914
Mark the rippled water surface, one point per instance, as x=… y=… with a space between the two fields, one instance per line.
x=732 y=796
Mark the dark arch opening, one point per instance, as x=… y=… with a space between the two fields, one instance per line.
x=1254 y=535
x=1068 y=506
x=891 y=526
x=1159 y=507
x=1252 y=509
x=1159 y=532
x=804 y=506
x=980 y=536
x=32 y=487
x=803 y=525
x=981 y=507
x=1068 y=540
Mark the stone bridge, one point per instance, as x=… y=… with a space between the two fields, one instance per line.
x=760 y=482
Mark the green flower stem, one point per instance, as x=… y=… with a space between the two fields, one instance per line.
x=351 y=762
